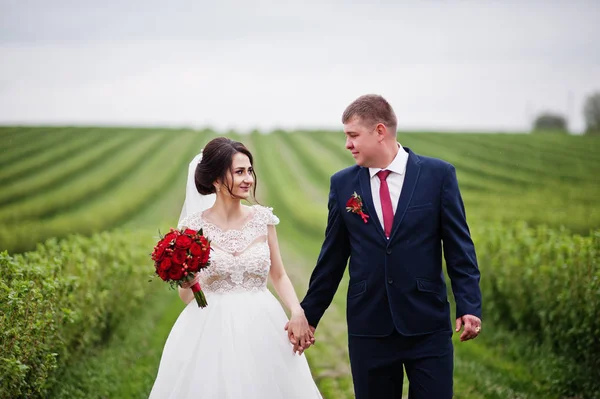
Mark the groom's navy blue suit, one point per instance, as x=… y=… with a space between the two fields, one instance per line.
x=397 y=309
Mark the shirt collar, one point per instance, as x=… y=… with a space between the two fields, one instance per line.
x=398 y=165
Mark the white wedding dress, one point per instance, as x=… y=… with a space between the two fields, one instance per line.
x=236 y=347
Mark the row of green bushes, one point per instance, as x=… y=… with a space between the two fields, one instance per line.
x=38 y=177
x=545 y=284
x=128 y=194
x=89 y=184
x=63 y=299
x=67 y=297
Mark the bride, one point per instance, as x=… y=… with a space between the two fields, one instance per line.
x=236 y=347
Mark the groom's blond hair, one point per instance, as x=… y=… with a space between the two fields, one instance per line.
x=372 y=109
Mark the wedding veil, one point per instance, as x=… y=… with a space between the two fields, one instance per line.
x=194 y=201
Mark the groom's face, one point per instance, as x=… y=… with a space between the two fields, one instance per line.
x=362 y=141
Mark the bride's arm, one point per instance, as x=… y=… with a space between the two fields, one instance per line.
x=185 y=292
x=186 y=295
x=283 y=285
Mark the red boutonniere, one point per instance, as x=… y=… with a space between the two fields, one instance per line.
x=355 y=205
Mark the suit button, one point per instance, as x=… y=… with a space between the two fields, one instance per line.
x=390 y=281
x=389 y=251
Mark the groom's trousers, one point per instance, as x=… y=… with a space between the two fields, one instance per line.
x=378 y=365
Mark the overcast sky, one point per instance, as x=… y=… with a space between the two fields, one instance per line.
x=442 y=64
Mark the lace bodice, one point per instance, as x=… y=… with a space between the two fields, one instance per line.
x=240 y=258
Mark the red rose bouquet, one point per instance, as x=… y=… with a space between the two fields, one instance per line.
x=179 y=255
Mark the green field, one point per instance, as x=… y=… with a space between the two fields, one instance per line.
x=531 y=201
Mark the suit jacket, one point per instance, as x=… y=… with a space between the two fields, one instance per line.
x=397 y=283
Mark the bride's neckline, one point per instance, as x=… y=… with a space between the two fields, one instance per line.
x=247 y=219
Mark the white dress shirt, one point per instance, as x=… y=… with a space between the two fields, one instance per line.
x=395 y=181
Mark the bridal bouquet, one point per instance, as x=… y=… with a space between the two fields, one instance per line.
x=179 y=255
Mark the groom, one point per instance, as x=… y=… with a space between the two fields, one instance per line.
x=392 y=215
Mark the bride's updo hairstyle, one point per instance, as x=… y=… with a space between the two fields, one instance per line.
x=217 y=158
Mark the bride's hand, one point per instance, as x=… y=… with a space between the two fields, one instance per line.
x=310 y=342
x=189 y=284
x=299 y=332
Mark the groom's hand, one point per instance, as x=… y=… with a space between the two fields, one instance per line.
x=301 y=348
x=472 y=327
x=300 y=345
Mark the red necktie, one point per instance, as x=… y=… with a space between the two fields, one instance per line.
x=386 y=202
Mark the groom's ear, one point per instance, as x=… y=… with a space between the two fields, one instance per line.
x=381 y=131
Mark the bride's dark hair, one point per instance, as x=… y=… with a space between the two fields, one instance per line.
x=217 y=158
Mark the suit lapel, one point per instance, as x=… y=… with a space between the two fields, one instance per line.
x=413 y=168
x=365 y=187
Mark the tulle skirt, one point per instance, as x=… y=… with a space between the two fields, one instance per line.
x=235 y=348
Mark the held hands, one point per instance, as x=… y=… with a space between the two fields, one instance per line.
x=472 y=326
x=300 y=334
x=190 y=283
